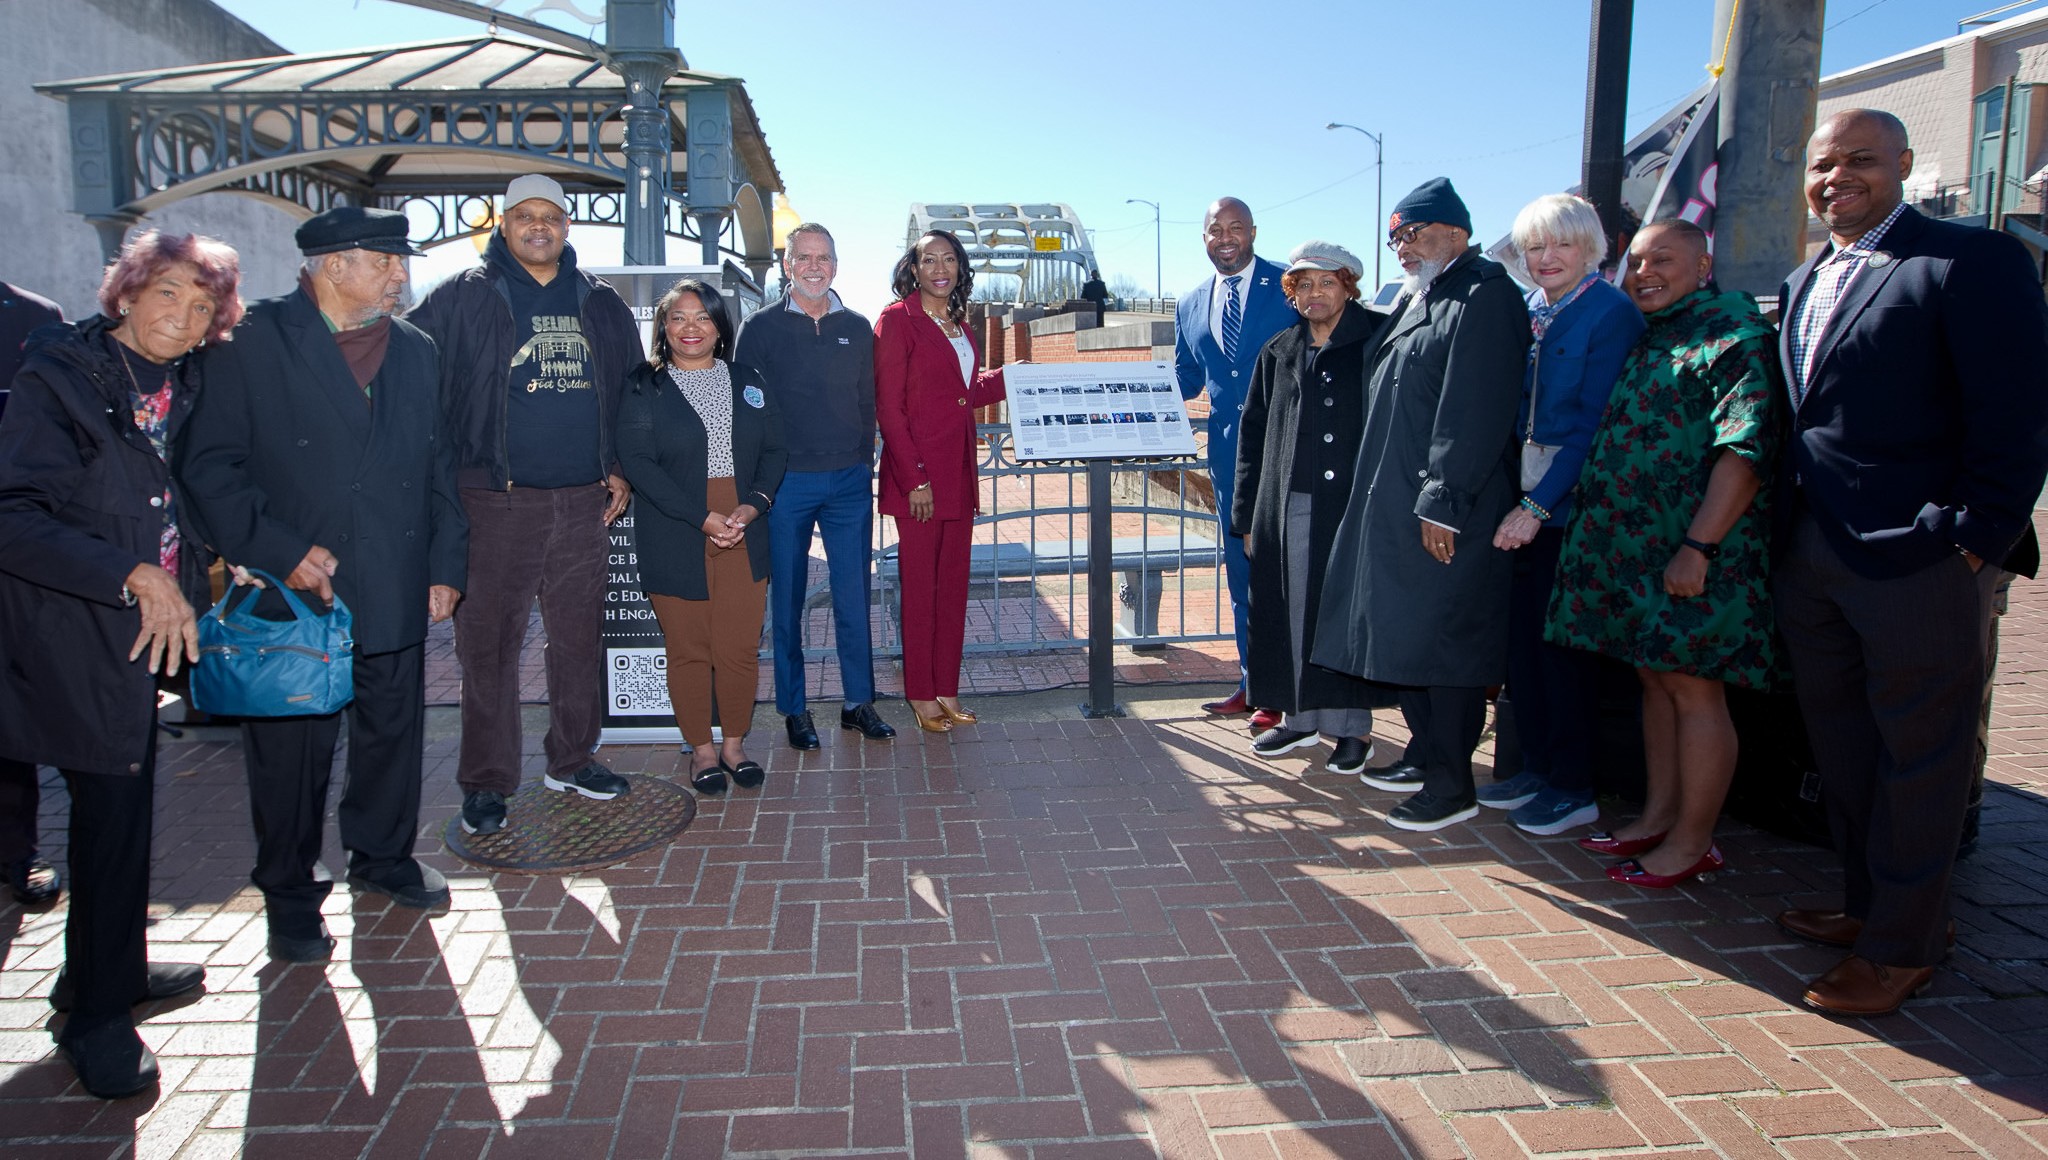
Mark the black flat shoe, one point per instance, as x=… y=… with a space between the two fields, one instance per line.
x=711 y=780
x=166 y=981
x=748 y=775
x=111 y=1060
x=803 y=734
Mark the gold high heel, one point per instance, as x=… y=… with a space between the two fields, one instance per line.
x=957 y=713
x=938 y=724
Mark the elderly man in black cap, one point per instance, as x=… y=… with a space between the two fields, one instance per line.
x=1416 y=595
x=317 y=453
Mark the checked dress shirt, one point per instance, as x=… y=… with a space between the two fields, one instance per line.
x=1823 y=291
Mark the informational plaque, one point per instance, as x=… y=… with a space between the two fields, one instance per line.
x=1103 y=410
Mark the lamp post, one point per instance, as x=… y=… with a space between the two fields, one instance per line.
x=1158 y=283
x=1379 y=168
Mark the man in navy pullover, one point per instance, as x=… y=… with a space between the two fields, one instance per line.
x=819 y=358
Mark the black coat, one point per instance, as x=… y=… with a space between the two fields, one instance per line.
x=81 y=504
x=469 y=317
x=284 y=452
x=1444 y=382
x=1300 y=429
x=662 y=447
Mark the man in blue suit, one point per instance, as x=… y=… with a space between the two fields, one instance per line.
x=1915 y=354
x=1219 y=328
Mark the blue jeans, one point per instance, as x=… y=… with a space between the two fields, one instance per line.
x=841 y=506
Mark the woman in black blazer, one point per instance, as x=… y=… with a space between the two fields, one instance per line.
x=700 y=440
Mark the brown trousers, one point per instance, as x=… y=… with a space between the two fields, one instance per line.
x=715 y=643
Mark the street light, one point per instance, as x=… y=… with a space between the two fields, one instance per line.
x=1378 y=198
x=1158 y=283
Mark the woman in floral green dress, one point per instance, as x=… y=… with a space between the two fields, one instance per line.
x=1664 y=564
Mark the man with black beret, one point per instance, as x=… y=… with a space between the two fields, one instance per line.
x=1416 y=595
x=316 y=453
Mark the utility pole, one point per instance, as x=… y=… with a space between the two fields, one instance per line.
x=1600 y=174
x=1769 y=84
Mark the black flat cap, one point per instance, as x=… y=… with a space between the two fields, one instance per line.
x=352 y=227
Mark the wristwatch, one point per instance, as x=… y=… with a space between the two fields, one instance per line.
x=1708 y=550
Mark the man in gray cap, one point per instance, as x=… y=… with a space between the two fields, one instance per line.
x=534 y=355
x=1416 y=595
x=316 y=454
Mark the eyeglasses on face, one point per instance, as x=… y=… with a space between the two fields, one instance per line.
x=1399 y=238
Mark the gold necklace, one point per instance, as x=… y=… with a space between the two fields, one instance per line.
x=947 y=326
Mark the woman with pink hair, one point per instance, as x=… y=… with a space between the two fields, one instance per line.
x=98 y=578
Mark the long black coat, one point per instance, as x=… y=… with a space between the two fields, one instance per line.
x=663 y=449
x=284 y=452
x=1302 y=420
x=81 y=504
x=1445 y=381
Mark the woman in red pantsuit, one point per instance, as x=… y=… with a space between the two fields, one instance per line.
x=926 y=390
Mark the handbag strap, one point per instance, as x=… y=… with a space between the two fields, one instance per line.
x=300 y=611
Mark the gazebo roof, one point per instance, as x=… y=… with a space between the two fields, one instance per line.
x=435 y=119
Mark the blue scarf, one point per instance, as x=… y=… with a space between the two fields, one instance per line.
x=1542 y=313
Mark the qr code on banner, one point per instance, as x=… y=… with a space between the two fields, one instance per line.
x=639 y=680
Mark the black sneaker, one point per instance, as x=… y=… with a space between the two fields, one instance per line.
x=1349 y=756
x=430 y=891
x=1280 y=739
x=1426 y=811
x=1399 y=778
x=34 y=881
x=483 y=812
x=592 y=781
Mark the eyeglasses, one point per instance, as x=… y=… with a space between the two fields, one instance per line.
x=1406 y=237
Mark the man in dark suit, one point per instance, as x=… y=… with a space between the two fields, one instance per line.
x=1219 y=328
x=1915 y=353
x=316 y=453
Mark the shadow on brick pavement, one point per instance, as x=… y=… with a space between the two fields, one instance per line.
x=1047 y=937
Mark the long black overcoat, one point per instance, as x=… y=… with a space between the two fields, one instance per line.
x=284 y=452
x=81 y=504
x=1444 y=383
x=1299 y=432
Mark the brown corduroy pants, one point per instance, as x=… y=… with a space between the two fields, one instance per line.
x=715 y=643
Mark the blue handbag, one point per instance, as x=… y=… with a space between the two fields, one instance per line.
x=250 y=666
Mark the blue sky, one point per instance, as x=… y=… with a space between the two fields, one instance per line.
x=869 y=106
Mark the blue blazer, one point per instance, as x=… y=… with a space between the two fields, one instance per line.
x=1198 y=360
x=1568 y=383
x=1925 y=428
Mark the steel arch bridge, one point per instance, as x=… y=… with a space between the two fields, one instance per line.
x=1041 y=244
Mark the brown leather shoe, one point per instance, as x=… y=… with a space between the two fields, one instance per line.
x=1858 y=987
x=1833 y=928
x=1830 y=927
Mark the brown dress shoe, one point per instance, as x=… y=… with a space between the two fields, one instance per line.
x=1229 y=706
x=1833 y=928
x=1857 y=986
x=1830 y=927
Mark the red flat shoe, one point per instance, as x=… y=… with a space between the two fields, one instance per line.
x=1602 y=842
x=1631 y=872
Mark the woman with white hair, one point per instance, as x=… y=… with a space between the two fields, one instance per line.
x=1583 y=328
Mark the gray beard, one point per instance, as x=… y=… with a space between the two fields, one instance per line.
x=1425 y=273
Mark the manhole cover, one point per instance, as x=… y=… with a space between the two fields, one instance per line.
x=550 y=833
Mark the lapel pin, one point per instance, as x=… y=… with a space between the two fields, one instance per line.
x=1879 y=259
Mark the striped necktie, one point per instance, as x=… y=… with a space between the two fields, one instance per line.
x=1233 y=317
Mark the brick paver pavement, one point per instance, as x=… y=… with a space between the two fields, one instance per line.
x=1044 y=937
